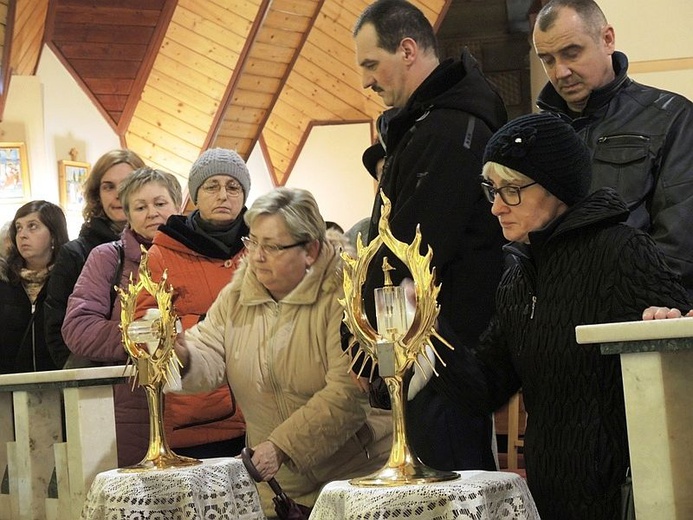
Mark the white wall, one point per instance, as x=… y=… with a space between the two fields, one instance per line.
x=23 y=122
x=654 y=31
x=71 y=119
x=330 y=168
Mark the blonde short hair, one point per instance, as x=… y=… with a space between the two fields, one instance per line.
x=296 y=207
x=505 y=173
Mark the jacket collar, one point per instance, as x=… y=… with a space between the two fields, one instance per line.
x=97 y=231
x=178 y=229
x=455 y=85
x=602 y=208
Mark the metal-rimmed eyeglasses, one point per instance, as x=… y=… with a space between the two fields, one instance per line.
x=268 y=249
x=232 y=189
x=508 y=194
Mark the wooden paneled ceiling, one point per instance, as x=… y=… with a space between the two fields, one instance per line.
x=174 y=77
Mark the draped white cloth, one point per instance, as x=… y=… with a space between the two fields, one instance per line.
x=215 y=489
x=478 y=495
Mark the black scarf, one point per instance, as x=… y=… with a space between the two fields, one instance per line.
x=226 y=236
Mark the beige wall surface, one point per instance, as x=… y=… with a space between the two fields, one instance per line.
x=656 y=36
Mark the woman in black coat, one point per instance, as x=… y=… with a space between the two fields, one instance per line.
x=104 y=220
x=574 y=263
x=36 y=233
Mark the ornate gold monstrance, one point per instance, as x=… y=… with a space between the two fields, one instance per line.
x=149 y=343
x=396 y=346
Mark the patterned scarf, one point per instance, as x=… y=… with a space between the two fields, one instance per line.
x=33 y=282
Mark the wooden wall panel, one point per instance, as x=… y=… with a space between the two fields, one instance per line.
x=27 y=36
x=178 y=76
x=189 y=77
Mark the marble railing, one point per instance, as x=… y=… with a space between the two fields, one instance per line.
x=57 y=432
x=657 y=367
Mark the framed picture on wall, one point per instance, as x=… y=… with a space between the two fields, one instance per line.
x=71 y=175
x=14 y=173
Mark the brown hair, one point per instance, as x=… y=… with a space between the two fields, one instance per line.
x=50 y=216
x=92 y=185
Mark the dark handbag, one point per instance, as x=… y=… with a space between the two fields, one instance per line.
x=627 y=501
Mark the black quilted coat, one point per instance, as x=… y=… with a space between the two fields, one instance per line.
x=584 y=268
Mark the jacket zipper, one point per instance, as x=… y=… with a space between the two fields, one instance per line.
x=276 y=387
x=606 y=138
x=33 y=337
x=534 y=304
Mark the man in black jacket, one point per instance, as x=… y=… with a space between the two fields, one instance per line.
x=639 y=136
x=434 y=147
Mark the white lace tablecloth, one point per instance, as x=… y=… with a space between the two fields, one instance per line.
x=478 y=495
x=214 y=490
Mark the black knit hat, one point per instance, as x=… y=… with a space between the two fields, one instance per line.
x=547 y=150
x=371 y=156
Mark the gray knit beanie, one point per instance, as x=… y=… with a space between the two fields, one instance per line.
x=547 y=150
x=218 y=161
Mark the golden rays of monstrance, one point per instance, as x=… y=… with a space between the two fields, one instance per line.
x=151 y=352
x=406 y=347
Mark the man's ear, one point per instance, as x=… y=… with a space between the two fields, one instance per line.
x=409 y=49
x=609 y=38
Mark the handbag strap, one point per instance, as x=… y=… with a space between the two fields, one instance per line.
x=117 y=275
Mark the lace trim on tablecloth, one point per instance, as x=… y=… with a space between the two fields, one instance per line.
x=210 y=491
x=483 y=496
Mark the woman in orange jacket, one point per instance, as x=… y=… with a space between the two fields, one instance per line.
x=200 y=252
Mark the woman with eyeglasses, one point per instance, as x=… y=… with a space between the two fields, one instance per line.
x=274 y=335
x=576 y=263
x=200 y=253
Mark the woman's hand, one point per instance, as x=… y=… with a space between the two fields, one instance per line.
x=181 y=350
x=663 y=313
x=361 y=382
x=268 y=458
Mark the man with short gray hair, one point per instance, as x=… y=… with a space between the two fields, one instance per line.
x=640 y=136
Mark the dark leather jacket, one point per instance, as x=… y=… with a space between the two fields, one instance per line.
x=641 y=138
